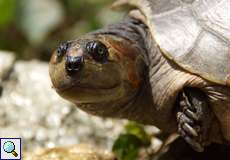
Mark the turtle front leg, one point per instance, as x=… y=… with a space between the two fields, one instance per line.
x=194 y=117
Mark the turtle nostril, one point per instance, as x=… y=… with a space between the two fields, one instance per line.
x=74 y=64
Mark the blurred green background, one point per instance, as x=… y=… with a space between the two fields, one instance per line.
x=33 y=28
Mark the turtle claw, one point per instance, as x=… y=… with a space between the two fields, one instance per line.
x=192 y=119
x=195 y=145
x=188 y=132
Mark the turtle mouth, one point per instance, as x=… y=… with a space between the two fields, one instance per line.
x=91 y=77
x=100 y=108
x=77 y=85
x=77 y=93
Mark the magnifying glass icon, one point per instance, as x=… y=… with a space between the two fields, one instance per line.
x=9 y=147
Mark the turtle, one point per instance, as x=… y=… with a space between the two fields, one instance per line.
x=166 y=63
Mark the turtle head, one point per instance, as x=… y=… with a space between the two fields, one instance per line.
x=97 y=70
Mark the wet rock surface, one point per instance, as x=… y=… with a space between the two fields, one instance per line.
x=30 y=109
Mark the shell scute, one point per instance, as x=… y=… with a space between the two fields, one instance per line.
x=193 y=34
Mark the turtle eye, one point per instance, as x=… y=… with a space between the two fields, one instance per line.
x=62 y=49
x=97 y=50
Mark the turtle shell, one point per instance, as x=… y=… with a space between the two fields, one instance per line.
x=195 y=34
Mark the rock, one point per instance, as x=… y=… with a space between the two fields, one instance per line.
x=31 y=109
x=76 y=152
x=7 y=60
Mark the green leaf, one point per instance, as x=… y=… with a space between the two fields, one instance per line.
x=7 y=9
x=126 y=147
x=139 y=131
